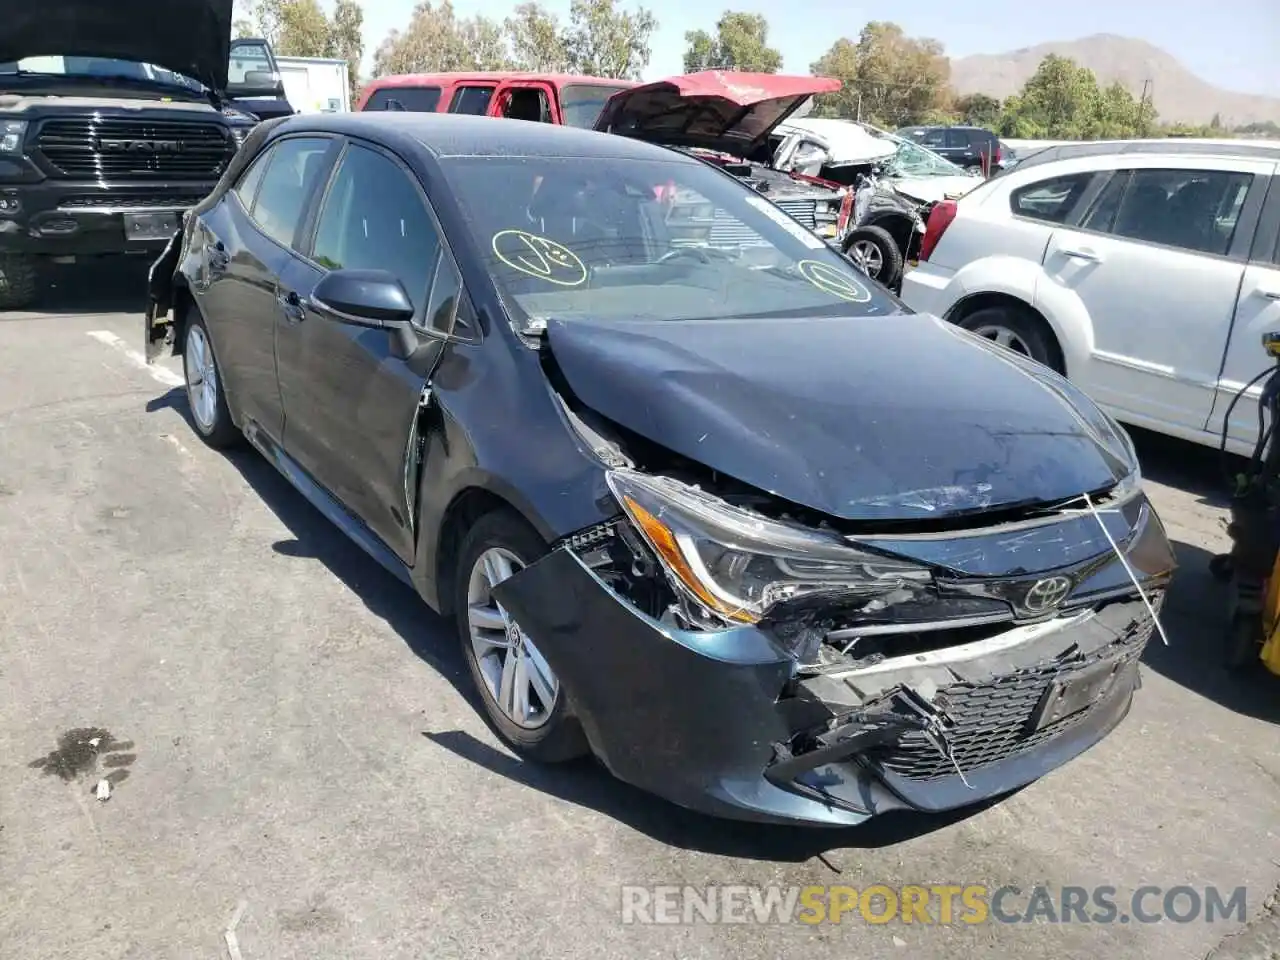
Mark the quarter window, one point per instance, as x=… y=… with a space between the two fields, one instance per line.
x=291 y=175
x=473 y=100
x=412 y=99
x=1050 y=200
x=247 y=188
x=374 y=218
x=1190 y=209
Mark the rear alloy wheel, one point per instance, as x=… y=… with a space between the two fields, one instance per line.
x=1015 y=330
x=204 y=389
x=19 y=281
x=524 y=700
x=874 y=251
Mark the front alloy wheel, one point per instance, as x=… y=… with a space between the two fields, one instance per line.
x=516 y=677
x=524 y=700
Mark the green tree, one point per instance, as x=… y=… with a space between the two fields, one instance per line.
x=741 y=42
x=304 y=30
x=888 y=77
x=978 y=110
x=347 y=29
x=436 y=40
x=537 y=40
x=1062 y=101
x=605 y=41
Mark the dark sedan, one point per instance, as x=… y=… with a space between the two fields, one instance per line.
x=727 y=516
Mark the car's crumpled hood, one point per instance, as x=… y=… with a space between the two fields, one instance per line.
x=935 y=189
x=192 y=37
x=867 y=418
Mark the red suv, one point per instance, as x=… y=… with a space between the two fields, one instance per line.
x=551 y=98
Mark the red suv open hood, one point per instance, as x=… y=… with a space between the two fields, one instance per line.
x=716 y=109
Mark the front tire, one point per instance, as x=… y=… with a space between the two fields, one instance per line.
x=1018 y=330
x=523 y=699
x=874 y=251
x=19 y=281
x=205 y=394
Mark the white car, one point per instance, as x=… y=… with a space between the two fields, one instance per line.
x=1146 y=271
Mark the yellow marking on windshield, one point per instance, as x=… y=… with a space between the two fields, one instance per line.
x=539 y=257
x=833 y=280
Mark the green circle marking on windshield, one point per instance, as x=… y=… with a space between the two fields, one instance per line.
x=539 y=257
x=833 y=280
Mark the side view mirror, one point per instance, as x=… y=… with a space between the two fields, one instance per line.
x=365 y=298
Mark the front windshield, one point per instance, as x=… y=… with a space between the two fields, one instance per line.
x=98 y=67
x=611 y=239
x=913 y=160
x=581 y=103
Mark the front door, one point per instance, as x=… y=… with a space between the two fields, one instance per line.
x=525 y=100
x=350 y=401
x=1157 y=267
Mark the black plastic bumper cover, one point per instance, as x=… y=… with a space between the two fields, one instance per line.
x=698 y=718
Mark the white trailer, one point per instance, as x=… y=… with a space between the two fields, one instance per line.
x=315 y=84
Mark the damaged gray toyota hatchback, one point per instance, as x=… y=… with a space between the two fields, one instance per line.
x=721 y=512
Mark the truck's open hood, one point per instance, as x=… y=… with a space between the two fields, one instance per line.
x=718 y=110
x=191 y=37
x=899 y=417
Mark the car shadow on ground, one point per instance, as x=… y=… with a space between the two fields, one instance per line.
x=584 y=783
x=1196 y=619
x=1200 y=471
x=109 y=285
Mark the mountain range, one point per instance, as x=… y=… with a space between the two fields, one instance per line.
x=1179 y=95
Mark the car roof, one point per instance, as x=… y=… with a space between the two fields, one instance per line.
x=464 y=135
x=1169 y=146
x=557 y=80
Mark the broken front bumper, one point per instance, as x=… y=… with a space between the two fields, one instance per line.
x=725 y=723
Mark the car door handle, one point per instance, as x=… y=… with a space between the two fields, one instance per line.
x=292 y=306
x=1081 y=253
x=1271 y=293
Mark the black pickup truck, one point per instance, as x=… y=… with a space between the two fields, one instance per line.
x=114 y=119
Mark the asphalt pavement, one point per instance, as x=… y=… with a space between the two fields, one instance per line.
x=296 y=768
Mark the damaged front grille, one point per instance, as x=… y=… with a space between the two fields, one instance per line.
x=990 y=721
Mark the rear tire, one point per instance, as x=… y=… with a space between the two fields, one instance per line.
x=874 y=251
x=205 y=392
x=498 y=545
x=1019 y=330
x=19 y=280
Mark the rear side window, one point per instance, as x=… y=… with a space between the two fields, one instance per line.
x=290 y=178
x=473 y=100
x=527 y=103
x=936 y=138
x=412 y=99
x=959 y=139
x=1050 y=200
x=1194 y=210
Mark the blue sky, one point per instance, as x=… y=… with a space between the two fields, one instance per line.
x=1232 y=43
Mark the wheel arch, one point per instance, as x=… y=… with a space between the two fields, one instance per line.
x=439 y=558
x=898 y=224
x=972 y=303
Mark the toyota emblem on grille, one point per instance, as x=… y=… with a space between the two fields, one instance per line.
x=1046 y=594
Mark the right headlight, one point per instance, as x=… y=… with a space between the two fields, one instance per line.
x=737 y=564
x=11 y=134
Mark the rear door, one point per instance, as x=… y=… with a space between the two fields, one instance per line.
x=1157 y=264
x=1257 y=313
x=245 y=245
x=350 y=399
